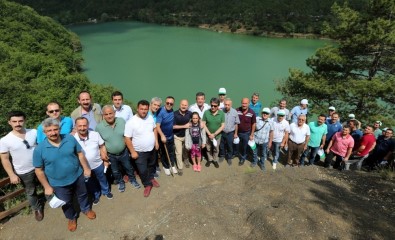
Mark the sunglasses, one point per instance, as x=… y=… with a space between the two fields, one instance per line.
x=52 y=111
x=27 y=144
x=169 y=103
x=214 y=105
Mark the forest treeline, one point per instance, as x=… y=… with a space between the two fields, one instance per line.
x=258 y=16
x=40 y=61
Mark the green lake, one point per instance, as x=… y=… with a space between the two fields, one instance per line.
x=146 y=60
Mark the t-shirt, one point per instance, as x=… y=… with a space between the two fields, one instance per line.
x=316 y=133
x=357 y=135
x=279 y=129
x=255 y=107
x=213 y=122
x=142 y=133
x=22 y=156
x=332 y=129
x=195 y=133
x=367 y=140
x=91 y=148
x=340 y=145
x=296 y=112
x=298 y=134
x=247 y=119
x=165 y=119
x=274 y=111
x=180 y=119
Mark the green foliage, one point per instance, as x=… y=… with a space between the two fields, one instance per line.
x=355 y=73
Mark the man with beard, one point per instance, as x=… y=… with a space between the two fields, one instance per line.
x=318 y=131
x=246 y=128
x=87 y=109
x=383 y=151
x=340 y=146
x=282 y=105
x=363 y=148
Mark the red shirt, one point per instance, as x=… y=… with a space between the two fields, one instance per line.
x=340 y=145
x=367 y=140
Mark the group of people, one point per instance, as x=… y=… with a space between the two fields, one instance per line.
x=74 y=156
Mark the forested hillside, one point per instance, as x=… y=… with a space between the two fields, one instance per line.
x=289 y=16
x=40 y=61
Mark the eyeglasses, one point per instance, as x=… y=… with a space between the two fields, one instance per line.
x=55 y=110
x=214 y=105
x=27 y=144
x=265 y=113
x=169 y=103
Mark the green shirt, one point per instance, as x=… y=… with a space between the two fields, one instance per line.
x=316 y=133
x=113 y=137
x=213 y=122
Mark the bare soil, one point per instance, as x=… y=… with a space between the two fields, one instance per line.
x=236 y=202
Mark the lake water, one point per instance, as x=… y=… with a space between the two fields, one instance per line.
x=147 y=60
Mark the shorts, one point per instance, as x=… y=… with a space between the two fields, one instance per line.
x=195 y=151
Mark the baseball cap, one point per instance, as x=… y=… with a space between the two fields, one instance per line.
x=222 y=91
x=266 y=110
x=304 y=101
x=281 y=112
x=379 y=122
x=332 y=108
x=352 y=116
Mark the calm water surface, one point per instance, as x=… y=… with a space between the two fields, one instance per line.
x=146 y=60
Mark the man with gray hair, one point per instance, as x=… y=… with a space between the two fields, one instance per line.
x=230 y=131
x=62 y=168
x=153 y=111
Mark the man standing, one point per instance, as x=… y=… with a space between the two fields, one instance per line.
x=255 y=105
x=62 y=168
x=282 y=105
x=263 y=138
x=121 y=110
x=141 y=139
x=340 y=146
x=280 y=135
x=214 y=122
x=230 y=131
x=331 y=110
x=54 y=110
x=221 y=97
x=356 y=134
x=318 y=131
x=112 y=131
x=365 y=146
x=19 y=144
x=334 y=126
x=377 y=131
x=200 y=106
x=153 y=111
x=90 y=111
x=164 y=126
x=93 y=147
x=246 y=127
x=299 y=136
x=182 y=119
x=299 y=110
x=384 y=149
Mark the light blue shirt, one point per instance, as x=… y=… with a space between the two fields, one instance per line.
x=124 y=112
x=296 y=111
x=66 y=126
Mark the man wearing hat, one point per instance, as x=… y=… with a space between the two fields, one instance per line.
x=331 y=110
x=299 y=110
x=377 y=131
x=263 y=137
x=221 y=97
x=280 y=135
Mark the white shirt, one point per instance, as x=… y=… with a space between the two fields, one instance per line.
x=194 y=108
x=298 y=134
x=22 y=157
x=279 y=129
x=90 y=148
x=142 y=133
x=124 y=112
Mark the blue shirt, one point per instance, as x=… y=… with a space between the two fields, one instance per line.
x=66 y=126
x=257 y=107
x=332 y=129
x=296 y=111
x=166 y=120
x=357 y=135
x=61 y=164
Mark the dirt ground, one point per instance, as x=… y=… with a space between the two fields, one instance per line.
x=233 y=203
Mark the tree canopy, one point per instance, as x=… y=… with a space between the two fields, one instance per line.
x=356 y=73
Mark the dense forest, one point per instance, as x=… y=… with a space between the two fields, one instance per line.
x=258 y=16
x=40 y=61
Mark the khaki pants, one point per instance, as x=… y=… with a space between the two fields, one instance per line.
x=212 y=152
x=181 y=152
x=294 y=152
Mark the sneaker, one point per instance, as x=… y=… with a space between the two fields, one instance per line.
x=155 y=183
x=121 y=187
x=221 y=159
x=135 y=184
x=90 y=214
x=109 y=195
x=156 y=175
x=241 y=163
x=147 y=191
x=167 y=171
x=174 y=170
x=252 y=165
x=96 y=201
x=216 y=165
x=187 y=164
x=274 y=166
x=229 y=162
x=158 y=169
x=199 y=168
x=194 y=167
x=207 y=164
x=72 y=225
x=179 y=172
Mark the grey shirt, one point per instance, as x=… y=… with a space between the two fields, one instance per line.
x=231 y=120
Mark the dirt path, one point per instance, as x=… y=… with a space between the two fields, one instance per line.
x=233 y=203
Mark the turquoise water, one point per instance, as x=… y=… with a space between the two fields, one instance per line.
x=147 y=60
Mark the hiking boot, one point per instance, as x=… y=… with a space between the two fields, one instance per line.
x=216 y=165
x=135 y=184
x=72 y=225
x=155 y=183
x=229 y=162
x=207 y=164
x=241 y=163
x=147 y=191
x=90 y=214
x=167 y=171
x=96 y=201
x=109 y=195
x=121 y=187
x=174 y=170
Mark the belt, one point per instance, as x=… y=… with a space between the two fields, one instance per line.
x=118 y=154
x=296 y=143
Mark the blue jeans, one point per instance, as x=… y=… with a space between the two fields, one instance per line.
x=66 y=193
x=243 y=145
x=313 y=153
x=97 y=183
x=30 y=182
x=276 y=151
x=121 y=160
x=226 y=146
x=170 y=150
x=261 y=151
x=146 y=165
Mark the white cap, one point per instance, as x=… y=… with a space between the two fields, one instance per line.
x=352 y=116
x=332 y=108
x=222 y=91
x=304 y=101
x=281 y=113
x=266 y=110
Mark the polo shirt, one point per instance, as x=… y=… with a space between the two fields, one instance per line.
x=165 y=119
x=91 y=148
x=296 y=111
x=332 y=129
x=22 y=157
x=124 y=112
x=180 y=119
x=113 y=137
x=61 y=164
x=141 y=130
x=246 y=120
x=231 y=120
x=66 y=126
x=367 y=140
x=195 y=108
x=316 y=133
x=298 y=134
x=257 y=107
x=279 y=129
x=213 y=122
x=340 y=145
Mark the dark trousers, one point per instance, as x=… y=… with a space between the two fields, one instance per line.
x=121 y=160
x=146 y=165
x=226 y=146
x=170 y=150
x=30 y=182
x=66 y=193
x=97 y=183
x=243 y=145
x=330 y=156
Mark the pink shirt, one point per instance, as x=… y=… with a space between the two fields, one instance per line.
x=340 y=145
